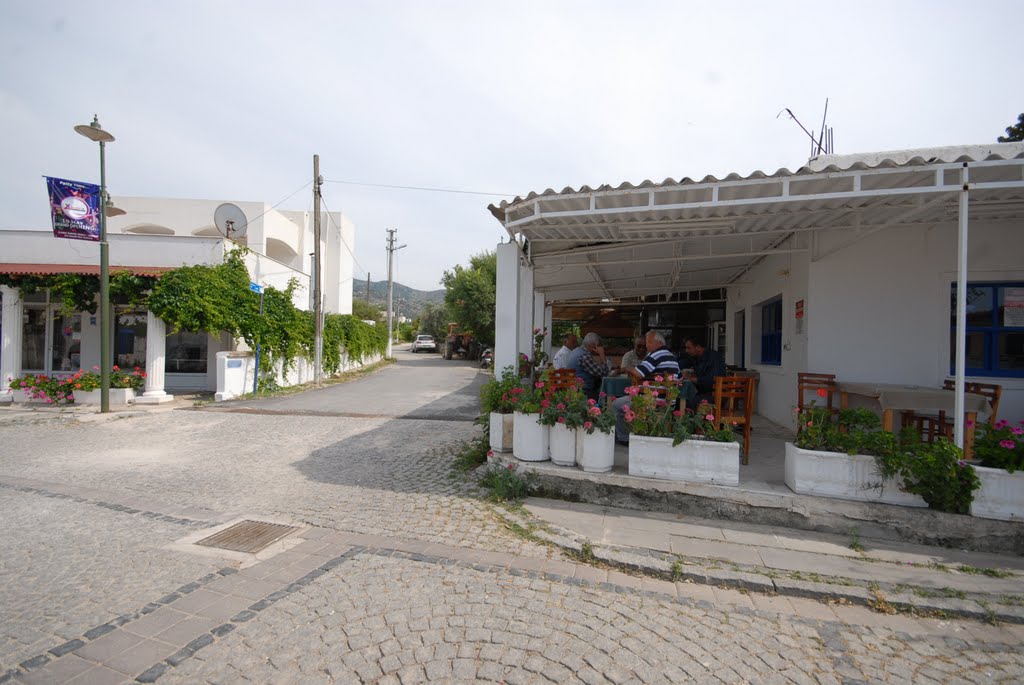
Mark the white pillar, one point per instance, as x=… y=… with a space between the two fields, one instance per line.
x=506 y=307
x=524 y=332
x=10 y=344
x=156 y=354
x=961 y=310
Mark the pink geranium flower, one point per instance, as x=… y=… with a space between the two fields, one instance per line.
x=1008 y=444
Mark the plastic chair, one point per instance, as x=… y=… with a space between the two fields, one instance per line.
x=734 y=403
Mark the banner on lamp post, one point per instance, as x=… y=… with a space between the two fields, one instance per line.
x=74 y=209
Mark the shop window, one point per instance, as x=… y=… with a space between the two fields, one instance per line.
x=995 y=329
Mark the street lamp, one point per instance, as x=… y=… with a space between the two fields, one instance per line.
x=95 y=133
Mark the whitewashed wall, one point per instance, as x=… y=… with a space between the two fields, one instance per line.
x=786 y=275
x=883 y=303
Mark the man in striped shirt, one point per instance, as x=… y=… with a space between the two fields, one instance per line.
x=659 y=362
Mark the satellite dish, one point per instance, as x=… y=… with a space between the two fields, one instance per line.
x=230 y=221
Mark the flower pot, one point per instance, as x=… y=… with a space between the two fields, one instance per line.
x=118 y=396
x=529 y=438
x=22 y=397
x=1001 y=495
x=844 y=476
x=595 y=452
x=501 y=432
x=562 y=445
x=693 y=461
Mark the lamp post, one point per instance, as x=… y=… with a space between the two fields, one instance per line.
x=95 y=133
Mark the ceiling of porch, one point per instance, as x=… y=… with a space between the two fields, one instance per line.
x=629 y=241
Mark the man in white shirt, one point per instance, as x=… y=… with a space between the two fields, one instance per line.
x=562 y=356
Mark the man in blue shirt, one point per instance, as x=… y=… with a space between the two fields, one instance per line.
x=659 y=362
x=590 y=364
x=706 y=365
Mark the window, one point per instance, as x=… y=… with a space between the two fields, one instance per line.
x=186 y=352
x=995 y=329
x=771 y=332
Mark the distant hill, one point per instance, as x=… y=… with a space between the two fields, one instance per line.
x=407 y=301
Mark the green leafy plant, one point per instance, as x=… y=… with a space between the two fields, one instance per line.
x=652 y=413
x=1000 y=445
x=528 y=399
x=934 y=471
x=598 y=418
x=567 y=407
x=50 y=389
x=851 y=431
x=496 y=394
x=504 y=482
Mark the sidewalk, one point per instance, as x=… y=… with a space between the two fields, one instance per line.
x=11 y=413
x=778 y=561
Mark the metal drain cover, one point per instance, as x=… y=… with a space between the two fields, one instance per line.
x=247 y=536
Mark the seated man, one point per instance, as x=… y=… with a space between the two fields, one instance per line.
x=659 y=362
x=561 y=360
x=706 y=365
x=590 y=364
x=631 y=359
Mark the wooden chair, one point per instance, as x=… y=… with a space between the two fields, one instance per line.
x=929 y=427
x=989 y=391
x=734 y=401
x=813 y=382
x=561 y=379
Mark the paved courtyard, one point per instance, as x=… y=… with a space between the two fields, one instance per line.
x=399 y=572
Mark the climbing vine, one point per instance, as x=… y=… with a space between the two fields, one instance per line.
x=215 y=298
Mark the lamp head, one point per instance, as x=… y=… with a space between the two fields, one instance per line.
x=94 y=132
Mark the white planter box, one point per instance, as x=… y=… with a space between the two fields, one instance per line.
x=1001 y=495
x=595 y=453
x=118 y=396
x=501 y=432
x=562 y=445
x=844 y=476
x=694 y=461
x=529 y=438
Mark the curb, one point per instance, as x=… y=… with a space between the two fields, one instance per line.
x=882 y=598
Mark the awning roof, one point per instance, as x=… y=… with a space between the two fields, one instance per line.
x=659 y=238
x=83 y=269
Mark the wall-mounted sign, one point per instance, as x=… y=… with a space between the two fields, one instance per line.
x=1013 y=307
x=234 y=363
x=799 y=309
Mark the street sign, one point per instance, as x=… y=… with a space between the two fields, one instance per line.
x=256 y=288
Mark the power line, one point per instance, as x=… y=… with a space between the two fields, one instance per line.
x=340 y=235
x=423 y=188
x=301 y=188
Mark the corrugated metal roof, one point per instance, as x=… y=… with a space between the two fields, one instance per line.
x=83 y=269
x=818 y=165
x=659 y=238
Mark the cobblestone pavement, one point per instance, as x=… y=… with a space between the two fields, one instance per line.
x=407 y=621
x=374 y=476
x=57 y=577
x=400 y=574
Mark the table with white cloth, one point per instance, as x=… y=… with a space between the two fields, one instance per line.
x=893 y=397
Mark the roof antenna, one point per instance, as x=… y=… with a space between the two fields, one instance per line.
x=823 y=144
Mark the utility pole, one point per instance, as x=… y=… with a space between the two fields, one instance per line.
x=391 y=285
x=367 y=287
x=318 y=309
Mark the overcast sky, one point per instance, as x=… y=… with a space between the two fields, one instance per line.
x=230 y=100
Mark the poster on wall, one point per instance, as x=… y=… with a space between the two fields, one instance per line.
x=74 y=209
x=1013 y=307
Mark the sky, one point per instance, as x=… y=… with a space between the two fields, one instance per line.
x=231 y=100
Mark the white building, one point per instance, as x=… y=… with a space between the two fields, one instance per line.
x=155 y=235
x=846 y=266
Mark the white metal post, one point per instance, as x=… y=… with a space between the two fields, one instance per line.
x=961 y=311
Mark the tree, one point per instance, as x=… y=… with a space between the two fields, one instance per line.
x=469 y=295
x=434 y=321
x=1014 y=133
x=365 y=311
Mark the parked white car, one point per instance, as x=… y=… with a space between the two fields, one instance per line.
x=424 y=342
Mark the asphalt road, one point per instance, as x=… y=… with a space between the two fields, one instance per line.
x=420 y=385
